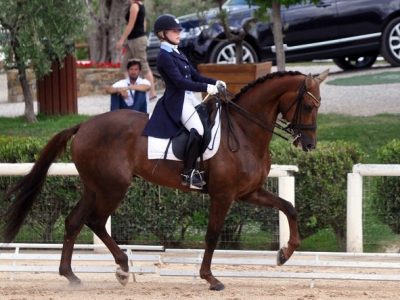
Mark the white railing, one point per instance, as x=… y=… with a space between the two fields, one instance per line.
x=355 y=198
x=286 y=187
x=42 y=258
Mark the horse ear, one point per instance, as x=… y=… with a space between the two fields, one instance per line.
x=321 y=77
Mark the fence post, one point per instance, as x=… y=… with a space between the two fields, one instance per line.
x=354 y=234
x=286 y=191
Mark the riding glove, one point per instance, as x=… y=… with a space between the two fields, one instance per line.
x=212 y=89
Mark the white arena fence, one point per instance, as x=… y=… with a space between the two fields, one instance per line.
x=284 y=174
x=355 y=187
x=44 y=258
x=352 y=265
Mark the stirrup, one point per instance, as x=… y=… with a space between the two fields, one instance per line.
x=194 y=179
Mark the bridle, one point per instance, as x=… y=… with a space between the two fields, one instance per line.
x=293 y=129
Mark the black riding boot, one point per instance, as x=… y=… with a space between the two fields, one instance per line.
x=191 y=176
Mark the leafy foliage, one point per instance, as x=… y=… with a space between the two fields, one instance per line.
x=152 y=214
x=59 y=193
x=387 y=200
x=321 y=185
x=38 y=32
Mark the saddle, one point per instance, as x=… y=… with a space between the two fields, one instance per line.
x=207 y=112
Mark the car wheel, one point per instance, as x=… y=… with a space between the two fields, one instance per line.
x=355 y=62
x=390 y=48
x=224 y=53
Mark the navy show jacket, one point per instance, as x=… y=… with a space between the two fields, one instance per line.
x=179 y=76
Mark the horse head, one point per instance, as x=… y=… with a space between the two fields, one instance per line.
x=301 y=112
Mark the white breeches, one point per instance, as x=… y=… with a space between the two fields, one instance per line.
x=190 y=118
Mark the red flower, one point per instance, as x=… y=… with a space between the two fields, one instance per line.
x=93 y=64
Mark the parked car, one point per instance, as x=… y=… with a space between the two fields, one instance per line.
x=351 y=32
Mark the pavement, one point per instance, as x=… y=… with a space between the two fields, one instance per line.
x=349 y=100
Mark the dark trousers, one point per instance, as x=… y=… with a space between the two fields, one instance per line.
x=139 y=104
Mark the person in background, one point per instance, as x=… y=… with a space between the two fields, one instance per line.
x=136 y=41
x=131 y=92
x=177 y=107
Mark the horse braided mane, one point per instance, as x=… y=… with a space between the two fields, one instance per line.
x=264 y=78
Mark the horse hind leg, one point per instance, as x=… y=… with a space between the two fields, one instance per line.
x=97 y=224
x=267 y=199
x=73 y=225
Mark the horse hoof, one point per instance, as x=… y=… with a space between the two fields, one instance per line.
x=217 y=287
x=75 y=282
x=122 y=276
x=281 y=258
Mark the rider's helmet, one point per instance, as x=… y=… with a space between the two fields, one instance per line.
x=166 y=22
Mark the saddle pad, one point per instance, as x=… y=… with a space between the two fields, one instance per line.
x=156 y=147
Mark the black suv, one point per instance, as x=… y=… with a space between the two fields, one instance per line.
x=351 y=32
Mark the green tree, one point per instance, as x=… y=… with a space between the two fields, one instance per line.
x=107 y=21
x=36 y=33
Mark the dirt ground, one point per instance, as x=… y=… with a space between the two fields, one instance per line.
x=26 y=286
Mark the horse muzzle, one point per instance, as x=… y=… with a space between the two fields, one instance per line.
x=306 y=143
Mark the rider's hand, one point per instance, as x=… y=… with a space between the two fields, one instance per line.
x=220 y=82
x=212 y=89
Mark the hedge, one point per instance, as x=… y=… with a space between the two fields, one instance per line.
x=387 y=197
x=321 y=185
x=150 y=214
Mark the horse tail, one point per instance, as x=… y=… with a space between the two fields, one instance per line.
x=27 y=189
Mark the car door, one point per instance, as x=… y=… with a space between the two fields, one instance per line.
x=360 y=17
x=307 y=27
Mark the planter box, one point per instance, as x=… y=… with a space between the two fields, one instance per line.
x=236 y=76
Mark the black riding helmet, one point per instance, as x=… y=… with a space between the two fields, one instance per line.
x=166 y=22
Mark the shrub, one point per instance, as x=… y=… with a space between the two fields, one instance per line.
x=387 y=198
x=56 y=200
x=321 y=185
x=153 y=214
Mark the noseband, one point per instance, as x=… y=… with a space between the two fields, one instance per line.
x=293 y=129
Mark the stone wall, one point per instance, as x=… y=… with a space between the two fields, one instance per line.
x=14 y=87
x=90 y=82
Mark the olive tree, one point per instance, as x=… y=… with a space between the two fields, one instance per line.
x=107 y=22
x=36 y=33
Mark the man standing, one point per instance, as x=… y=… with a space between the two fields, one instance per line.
x=131 y=92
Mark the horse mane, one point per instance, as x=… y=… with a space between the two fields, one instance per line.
x=263 y=79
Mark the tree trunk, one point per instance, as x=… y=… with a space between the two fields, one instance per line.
x=28 y=99
x=239 y=51
x=29 y=113
x=278 y=35
x=106 y=29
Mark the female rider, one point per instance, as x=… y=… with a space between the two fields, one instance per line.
x=177 y=107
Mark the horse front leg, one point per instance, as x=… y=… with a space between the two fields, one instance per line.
x=218 y=211
x=264 y=198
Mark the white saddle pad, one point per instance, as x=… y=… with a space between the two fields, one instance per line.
x=156 y=147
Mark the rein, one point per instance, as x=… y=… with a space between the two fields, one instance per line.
x=290 y=128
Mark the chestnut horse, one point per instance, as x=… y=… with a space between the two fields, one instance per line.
x=109 y=150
